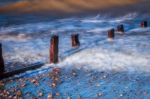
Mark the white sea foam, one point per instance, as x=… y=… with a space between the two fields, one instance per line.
x=100 y=19
x=125 y=53
x=99 y=30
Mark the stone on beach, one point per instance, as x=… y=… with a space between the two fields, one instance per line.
x=50 y=96
x=1 y=84
x=19 y=93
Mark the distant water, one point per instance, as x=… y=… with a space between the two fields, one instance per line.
x=10 y=19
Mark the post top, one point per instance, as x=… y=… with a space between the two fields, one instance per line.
x=111 y=30
x=54 y=36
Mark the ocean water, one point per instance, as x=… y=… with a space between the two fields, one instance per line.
x=26 y=43
x=118 y=69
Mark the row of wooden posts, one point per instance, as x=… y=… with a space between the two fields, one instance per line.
x=120 y=28
x=75 y=43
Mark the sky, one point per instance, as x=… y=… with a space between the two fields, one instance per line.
x=64 y=6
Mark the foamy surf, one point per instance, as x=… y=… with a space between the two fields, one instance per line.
x=29 y=43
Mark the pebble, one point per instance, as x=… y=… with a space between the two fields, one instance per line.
x=1 y=84
x=19 y=93
x=56 y=79
x=121 y=95
x=56 y=70
x=74 y=74
x=53 y=84
x=100 y=94
x=145 y=93
x=10 y=97
x=15 y=97
x=57 y=94
x=50 y=96
x=23 y=85
x=105 y=76
x=68 y=97
x=40 y=94
x=79 y=97
x=33 y=81
x=98 y=85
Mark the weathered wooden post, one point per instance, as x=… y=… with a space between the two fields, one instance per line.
x=54 y=49
x=144 y=24
x=120 y=28
x=2 y=66
x=111 y=34
x=75 y=40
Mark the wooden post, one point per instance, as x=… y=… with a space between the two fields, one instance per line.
x=75 y=40
x=111 y=34
x=54 y=49
x=120 y=28
x=144 y=24
x=2 y=66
